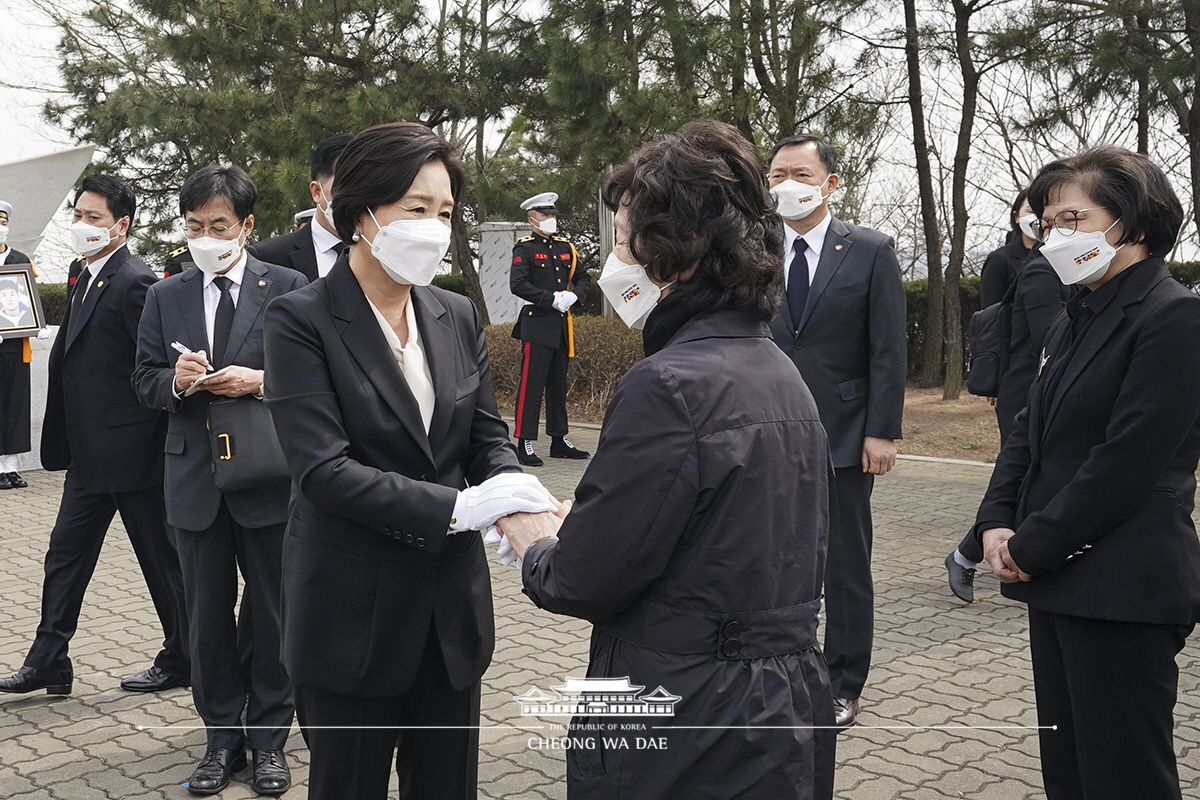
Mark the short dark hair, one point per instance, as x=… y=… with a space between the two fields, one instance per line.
x=1128 y=185
x=326 y=155
x=379 y=165
x=1014 y=227
x=219 y=180
x=825 y=150
x=116 y=193
x=698 y=198
x=10 y=284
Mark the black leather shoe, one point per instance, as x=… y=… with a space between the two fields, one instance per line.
x=526 y=455
x=561 y=447
x=30 y=679
x=215 y=769
x=154 y=680
x=5 y=481
x=845 y=711
x=962 y=579
x=17 y=481
x=271 y=773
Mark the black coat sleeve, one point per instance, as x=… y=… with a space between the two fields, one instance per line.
x=888 y=356
x=154 y=375
x=994 y=278
x=518 y=277
x=1043 y=297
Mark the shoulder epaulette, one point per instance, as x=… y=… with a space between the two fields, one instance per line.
x=561 y=239
x=525 y=239
x=179 y=252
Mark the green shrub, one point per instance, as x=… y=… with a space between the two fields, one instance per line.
x=1186 y=272
x=451 y=283
x=605 y=349
x=54 y=301
x=917 y=296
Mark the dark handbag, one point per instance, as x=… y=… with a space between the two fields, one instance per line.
x=989 y=338
x=246 y=451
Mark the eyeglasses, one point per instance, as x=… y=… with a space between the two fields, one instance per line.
x=195 y=230
x=1065 y=221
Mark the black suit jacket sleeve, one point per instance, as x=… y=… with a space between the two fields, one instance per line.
x=306 y=408
x=154 y=378
x=994 y=277
x=888 y=347
x=518 y=277
x=1042 y=295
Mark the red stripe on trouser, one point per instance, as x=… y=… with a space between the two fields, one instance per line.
x=524 y=389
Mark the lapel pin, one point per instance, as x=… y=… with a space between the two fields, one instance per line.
x=837 y=247
x=262 y=283
x=99 y=284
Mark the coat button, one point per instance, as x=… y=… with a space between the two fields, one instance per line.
x=732 y=629
x=731 y=648
x=453 y=520
x=420 y=542
x=387 y=532
x=409 y=538
x=799 y=344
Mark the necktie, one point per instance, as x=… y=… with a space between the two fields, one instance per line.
x=797 y=288
x=223 y=322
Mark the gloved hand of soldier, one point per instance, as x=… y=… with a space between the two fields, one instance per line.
x=477 y=507
x=44 y=334
x=564 y=300
x=505 y=550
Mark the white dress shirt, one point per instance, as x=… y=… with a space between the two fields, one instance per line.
x=411 y=360
x=89 y=273
x=212 y=296
x=325 y=244
x=814 y=239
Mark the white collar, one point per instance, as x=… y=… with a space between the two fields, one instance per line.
x=235 y=273
x=97 y=265
x=323 y=240
x=815 y=238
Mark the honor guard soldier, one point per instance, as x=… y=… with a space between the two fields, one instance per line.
x=179 y=260
x=546 y=274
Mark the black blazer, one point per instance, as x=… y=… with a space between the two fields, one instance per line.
x=1000 y=269
x=540 y=267
x=94 y=422
x=175 y=313
x=294 y=250
x=368 y=562
x=1098 y=476
x=850 y=344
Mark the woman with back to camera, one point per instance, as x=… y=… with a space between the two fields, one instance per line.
x=696 y=544
x=1087 y=518
x=381 y=392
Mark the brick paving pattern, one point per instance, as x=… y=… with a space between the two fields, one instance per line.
x=939 y=667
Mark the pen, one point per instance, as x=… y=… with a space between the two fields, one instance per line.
x=183 y=348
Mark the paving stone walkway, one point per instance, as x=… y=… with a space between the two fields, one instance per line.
x=945 y=709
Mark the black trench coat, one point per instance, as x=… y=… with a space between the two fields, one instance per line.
x=696 y=546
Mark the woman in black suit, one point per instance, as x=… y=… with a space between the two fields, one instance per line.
x=1087 y=518
x=381 y=392
x=696 y=545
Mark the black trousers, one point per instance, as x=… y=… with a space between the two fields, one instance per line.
x=1110 y=689
x=542 y=369
x=237 y=674
x=352 y=740
x=14 y=403
x=849 y=590
x=75 y=542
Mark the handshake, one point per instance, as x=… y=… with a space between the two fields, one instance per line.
x=515 y=510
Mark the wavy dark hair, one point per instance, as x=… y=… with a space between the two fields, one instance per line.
x=697 y=198
x=379 y=165
x=1127 y=185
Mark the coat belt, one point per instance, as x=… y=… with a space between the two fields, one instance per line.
x=740 y=635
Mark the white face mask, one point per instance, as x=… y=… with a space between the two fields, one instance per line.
x=1079 y=258
x=215 y=255
x=410 y=250
x=796 y=200
x=1028 y=225
x=3 y=234
x=630 y=291
x=549 y=226
x=87 y=240
x=327 y=211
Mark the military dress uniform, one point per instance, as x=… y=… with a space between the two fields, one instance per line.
x=15 y=357
x=179 y=260
x=541 y=266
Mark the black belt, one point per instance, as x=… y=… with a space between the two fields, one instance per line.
x=741 y=635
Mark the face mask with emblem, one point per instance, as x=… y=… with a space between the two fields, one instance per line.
x=1081 y=257
x=87 y=240
x=629 y=290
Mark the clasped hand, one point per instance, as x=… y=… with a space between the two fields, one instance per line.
x=234 y=381
x=995 y=552
x=478 y=507
x=564 y=300
x=519 y=531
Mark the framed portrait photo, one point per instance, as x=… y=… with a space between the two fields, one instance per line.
x=20 y=304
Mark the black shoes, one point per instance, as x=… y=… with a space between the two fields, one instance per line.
x=271 y=773
x=5 y=481
x=215 y=770
x=526 y=455
x=962 y=579
x=561 y=447
x=845 y=711
x=17 y=481
x=154 y=680
x=30 y=679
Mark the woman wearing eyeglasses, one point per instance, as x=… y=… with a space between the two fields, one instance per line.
x=1087 y=518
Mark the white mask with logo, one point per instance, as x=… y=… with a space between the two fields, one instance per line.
x=87 y=240
x=795 y=200
x=1029 y=226
x=549 y=226
x=410 y=250
x=1079 y=257
x=215 y=255
x=629 y=290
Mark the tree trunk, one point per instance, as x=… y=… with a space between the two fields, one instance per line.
x=952 y=388
x=931 y=372
x=1191 y=16
x=464 y=262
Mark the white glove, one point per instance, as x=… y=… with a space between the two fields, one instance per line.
x=505 y=551
x=44 y=334
x=564 y=300
x=1 y=337
x=477 y=507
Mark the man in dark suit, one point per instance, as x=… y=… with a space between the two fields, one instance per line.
x=547 y=275
x=843 y=326
x=217 y=310
x=110 y=446
x=313 y=249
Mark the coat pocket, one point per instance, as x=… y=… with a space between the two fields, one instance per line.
x=129 y=415
x=174 y=444
x=467 y=386
x=854 y=389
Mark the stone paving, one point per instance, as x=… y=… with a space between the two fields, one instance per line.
x=946 y=711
